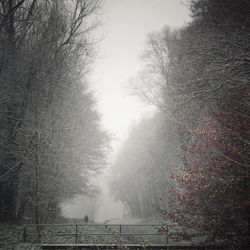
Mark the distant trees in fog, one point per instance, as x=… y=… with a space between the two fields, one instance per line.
x=198 y=77
x=141 y=171
x=50 y=139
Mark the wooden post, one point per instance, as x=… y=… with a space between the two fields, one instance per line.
x=76 y=240
x=167 y=234
x=38 y=229
x=120 y=234
x=120 y=230
x=24 y=234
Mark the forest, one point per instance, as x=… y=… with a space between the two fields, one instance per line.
x=51 y=141
x=187 y=162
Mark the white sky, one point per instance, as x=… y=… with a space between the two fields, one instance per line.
x=126 y=24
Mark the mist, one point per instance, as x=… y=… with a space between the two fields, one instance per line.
x=124 y=123
x=120 y=47
x=100 y=209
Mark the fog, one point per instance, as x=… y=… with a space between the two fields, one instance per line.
x=100 y=209
x=124 y=111
x=123 y=33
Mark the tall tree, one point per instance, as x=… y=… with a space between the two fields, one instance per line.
x=200 y=78
x=50 y=136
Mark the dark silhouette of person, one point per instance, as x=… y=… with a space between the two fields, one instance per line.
x=86 y=219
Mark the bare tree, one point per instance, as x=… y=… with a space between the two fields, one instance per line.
x=44 y=44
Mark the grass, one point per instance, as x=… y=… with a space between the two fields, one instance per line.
x=11 y=237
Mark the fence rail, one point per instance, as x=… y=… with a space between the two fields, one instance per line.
x=38 y=230
x=77 y=236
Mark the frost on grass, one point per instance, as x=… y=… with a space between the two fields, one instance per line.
x=11 y=237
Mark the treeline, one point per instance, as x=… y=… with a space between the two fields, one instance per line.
x=198 y=77
x=50 y=139
x=140 y=174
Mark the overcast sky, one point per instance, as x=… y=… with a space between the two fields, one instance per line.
x=126 y=24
